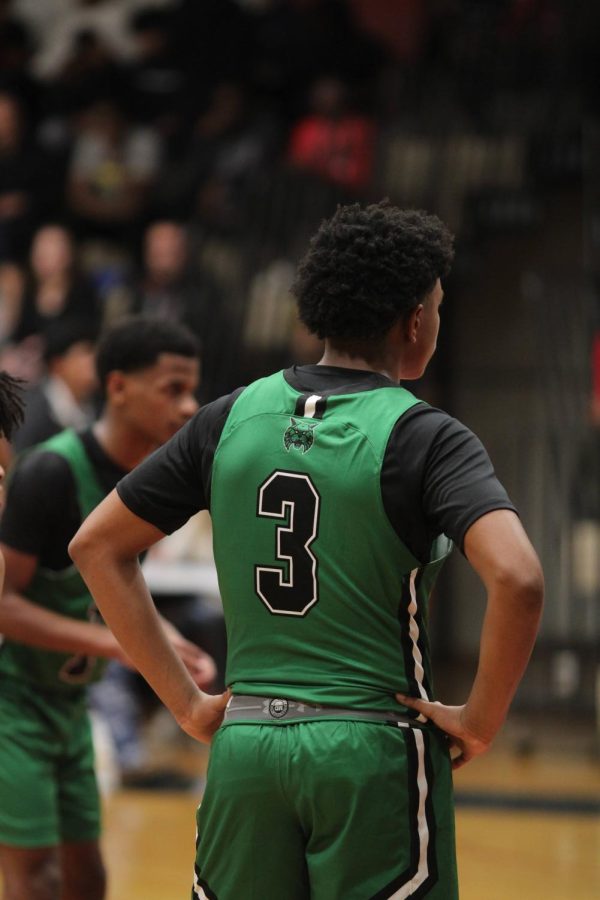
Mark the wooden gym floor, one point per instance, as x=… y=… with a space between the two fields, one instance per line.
x=526 y=831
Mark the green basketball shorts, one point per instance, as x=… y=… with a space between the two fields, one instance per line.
x=326 y=810
x=48 y=791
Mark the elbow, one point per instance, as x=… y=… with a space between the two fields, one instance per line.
x=79 y=547
x=531 y=592
x=525 y=584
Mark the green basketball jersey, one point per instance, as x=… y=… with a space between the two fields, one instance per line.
x=323 y=601
x=62 y=592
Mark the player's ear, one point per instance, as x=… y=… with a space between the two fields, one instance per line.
x=116 y=386
x=412 y=323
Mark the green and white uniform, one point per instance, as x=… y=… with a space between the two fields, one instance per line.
x=48 y=791
x=325 y=601
x=339 y=603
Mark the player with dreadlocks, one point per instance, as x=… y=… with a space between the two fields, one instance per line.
x=53 y=644
x=11 y=415
x=11 y=404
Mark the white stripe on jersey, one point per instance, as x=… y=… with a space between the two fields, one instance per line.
x=198 y=890
x=422 y=869
x=413 y=630
x=310 y=407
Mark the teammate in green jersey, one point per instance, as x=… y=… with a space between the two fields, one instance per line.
x=335 y=496
x=53 y=642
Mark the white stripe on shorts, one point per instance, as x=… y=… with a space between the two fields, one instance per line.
x=198 y=891
x=422 y=872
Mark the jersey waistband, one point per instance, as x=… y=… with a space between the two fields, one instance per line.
x=280 y=710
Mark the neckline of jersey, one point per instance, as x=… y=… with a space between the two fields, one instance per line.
x=348 y=381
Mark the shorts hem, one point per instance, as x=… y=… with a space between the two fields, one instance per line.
x=31 y=842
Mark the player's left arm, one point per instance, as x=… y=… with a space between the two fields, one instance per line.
x=106 y=550
x=499 y=550
x=462 y=498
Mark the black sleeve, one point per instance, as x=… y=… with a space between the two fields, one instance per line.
x=174 y=482
x=437 y=478
x=42 y=512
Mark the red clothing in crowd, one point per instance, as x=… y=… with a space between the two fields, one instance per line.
x=340 y=150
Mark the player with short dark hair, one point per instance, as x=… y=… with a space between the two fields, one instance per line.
x=335 y=496
x=138 y=342
x=54 y=643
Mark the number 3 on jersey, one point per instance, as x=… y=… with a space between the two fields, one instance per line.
x=291 y=588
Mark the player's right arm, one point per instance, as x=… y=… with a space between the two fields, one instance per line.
x=34 y=531
x=29 y=623
x=106 y=550
x=155 y=499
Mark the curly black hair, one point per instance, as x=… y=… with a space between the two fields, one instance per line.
x=367 y=267
x=12 y=406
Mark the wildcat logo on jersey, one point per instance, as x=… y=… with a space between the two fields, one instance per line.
x=299 y=436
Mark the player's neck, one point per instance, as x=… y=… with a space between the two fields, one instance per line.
x=348 y=358
x=124 y=447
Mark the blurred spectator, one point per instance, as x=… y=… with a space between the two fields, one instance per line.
x=213 y=41
x=16 y=48
x=40 y=17
x=337 y=44
x=62 y=399
x=11 y=291
x=399 y=26
x=54 y=289
x=90 y=74
x=171 y=285
x=230 y=142
x=156 y=81
x=273 y=335
x=112 y=167
x=332 y=141
x=24 y=183
x=58 y=21
x=595 y=400
x=297 y=41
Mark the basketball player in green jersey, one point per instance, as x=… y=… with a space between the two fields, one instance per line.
x=335 y=496
x=53 y=643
